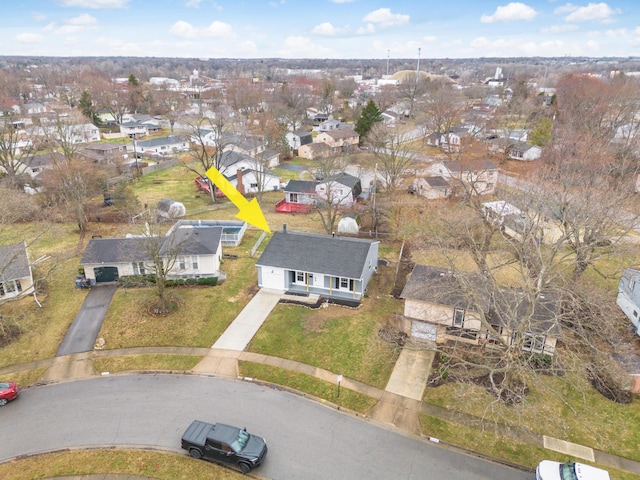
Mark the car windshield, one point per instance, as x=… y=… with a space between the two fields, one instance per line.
x=240 y=442
x=568 y=471
x=4 y=385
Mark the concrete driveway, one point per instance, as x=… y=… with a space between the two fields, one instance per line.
x=81 y=336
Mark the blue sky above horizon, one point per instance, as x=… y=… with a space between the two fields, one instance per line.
x=320 y=28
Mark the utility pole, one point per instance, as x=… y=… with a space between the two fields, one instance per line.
x=418 y=67
x=387 y=63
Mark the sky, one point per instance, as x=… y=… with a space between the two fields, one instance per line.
x=320 y=28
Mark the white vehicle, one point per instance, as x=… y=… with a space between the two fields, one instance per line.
x=548 y=470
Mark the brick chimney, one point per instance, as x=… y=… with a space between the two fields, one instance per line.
x=240 y=186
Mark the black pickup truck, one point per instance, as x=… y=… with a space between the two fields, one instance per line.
x=224 y=444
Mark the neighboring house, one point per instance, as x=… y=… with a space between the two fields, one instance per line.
x=525 y=152
x=541 y=226
x=269 y=158
x=343 y=140
x=499 y=212
x=438 y=308
x=248 y=181
x=333 y=267
x=432 y=188
x=468 y=177
x=45 y=161
x=329 y=125
x=83 y=133
x=133 y=129
x=162 y=146
x=197 y=251
x=343 y=189
x=299 y=197
x=390 y=119
x=16 y=278
x=629 y=296
x=313 y=151
x=252 y=146
x=298 y=138
x=33 y=108
x=106 y=152
x=232 y=161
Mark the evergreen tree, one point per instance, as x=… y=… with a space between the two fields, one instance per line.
x=370 y=115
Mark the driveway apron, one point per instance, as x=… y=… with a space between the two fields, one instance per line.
x=82 y=334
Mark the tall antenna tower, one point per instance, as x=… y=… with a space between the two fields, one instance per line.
x=418 y=66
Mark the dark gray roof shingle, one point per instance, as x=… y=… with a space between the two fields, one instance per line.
x=322 y=254
x=14 y=261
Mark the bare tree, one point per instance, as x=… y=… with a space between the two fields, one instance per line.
x=16 y=147
x=395 y=158
x=332 y=193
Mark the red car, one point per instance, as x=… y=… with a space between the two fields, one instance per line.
x=8 y=391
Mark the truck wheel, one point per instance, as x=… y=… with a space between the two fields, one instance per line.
x=245 y=467
x=195 y=453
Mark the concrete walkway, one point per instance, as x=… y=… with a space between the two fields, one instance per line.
x=399 y=404
x=238 y=335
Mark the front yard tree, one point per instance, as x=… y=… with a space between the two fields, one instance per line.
x=16 y=147
x=369 y=116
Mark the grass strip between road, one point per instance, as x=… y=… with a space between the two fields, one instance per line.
x=151 y=464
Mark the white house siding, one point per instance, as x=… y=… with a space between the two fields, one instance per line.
x=271 y=278
x=436 y=314
x=16 y=288
x=630 y=310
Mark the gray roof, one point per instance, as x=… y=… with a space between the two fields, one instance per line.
x=115 y=250
x=300 y=186
x=14 y=261
x=157 y=142
x=323 y=254
x=345 y=179
x=194 y=240
x=436 y=181
x=441 y=286
x=470 y=165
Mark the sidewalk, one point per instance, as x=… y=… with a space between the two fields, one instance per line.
x=399 y=404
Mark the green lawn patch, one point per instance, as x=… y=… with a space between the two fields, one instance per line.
x=301 y=382
x=159 y=465
x=146 y=362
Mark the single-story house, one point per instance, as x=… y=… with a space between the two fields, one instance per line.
x=298 y=138
x=300 y=196
x=333 y=267
x=441 y=305
x=105 y=151
x=16 y=278
x=250 y=181
x=629 y=296
x=343 y=189
x=197 y=253
x=468 y=177
x=524 y=152
x=312 y=151
x=162 y=146
x=431 y=188
x=133 y=129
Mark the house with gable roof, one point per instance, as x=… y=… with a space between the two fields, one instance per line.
x=333 y=267
x=198 y=253
x=342 y=140
x=16 y=278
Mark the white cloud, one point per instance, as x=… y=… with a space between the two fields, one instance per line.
x=569 y=27
x=509 y=12
x=302 y=47
x=599 y=12
x=615 y=33
x=215 y=30
x=38 y=17
x=326 y=29
x=342 y=1
x=28 y=38
x=368 y=29
x=479 y=42
x=83 y=20
x=385 y=18
x=72 y=25
x=430 y=38
x=193 y=3
x=94 y=4
x=566 y=8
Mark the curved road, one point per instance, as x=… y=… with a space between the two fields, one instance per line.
x=306 y=439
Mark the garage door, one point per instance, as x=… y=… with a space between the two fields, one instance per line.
x=425 y=331
x=106 y=274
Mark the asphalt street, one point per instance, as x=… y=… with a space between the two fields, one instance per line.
x=306 y=439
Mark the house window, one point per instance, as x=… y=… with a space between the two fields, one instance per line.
x=182 y=263
x=635 y=313
x=458 y=317
x=10 y=287
x=293 y=197
x=462 y=333
x=344 y=283
x=18 y=286
x=254 y=185
x=139 y=269
x=299 y=277
x=533 y=343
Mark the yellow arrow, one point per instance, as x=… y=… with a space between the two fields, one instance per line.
x=249 y=211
